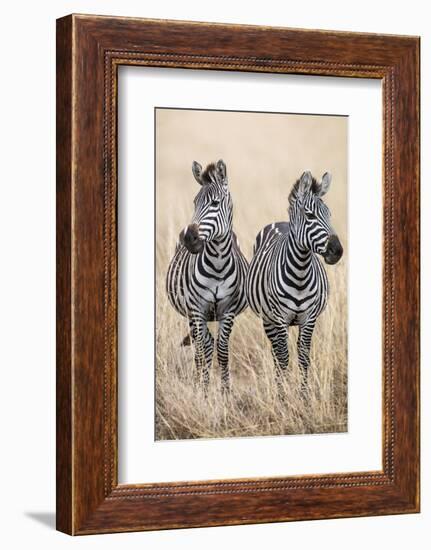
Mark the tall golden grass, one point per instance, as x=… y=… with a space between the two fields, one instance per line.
x=253 y=407
x=259 y=189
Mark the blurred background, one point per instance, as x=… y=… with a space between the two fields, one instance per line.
x=265 y=153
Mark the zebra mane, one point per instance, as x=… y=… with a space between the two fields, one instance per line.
x=209 y=174
x=293 y=195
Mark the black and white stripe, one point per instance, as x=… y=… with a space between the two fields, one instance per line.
x=206 y=277
x=287 y=284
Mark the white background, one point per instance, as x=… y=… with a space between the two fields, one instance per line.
x=27 y=406
x=360 y=449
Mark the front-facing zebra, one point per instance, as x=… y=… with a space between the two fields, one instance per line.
x=287 y=284
x=206 y=277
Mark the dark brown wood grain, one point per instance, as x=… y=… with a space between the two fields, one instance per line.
x=64 y=286
x=89 y=51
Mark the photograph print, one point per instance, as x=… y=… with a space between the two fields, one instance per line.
x=251 y=274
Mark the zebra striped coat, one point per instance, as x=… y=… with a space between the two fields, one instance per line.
x=206 y=277
x=287 y=284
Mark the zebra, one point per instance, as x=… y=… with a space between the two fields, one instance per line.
x=286 y=283
x=206 y=276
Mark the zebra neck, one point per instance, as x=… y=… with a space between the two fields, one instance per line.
x=298 y=261
x=219 y=249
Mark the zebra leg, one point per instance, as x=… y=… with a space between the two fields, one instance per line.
x=224 y=331
x=278 y=336
x=304 y=345
x=204 y=346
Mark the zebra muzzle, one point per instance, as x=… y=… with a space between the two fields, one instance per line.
x=333 y=251
x=191 y=240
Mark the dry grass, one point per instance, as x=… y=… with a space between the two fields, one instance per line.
x=253 y=407
x=259 y=191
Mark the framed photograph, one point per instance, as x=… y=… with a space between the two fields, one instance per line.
x=237 y=274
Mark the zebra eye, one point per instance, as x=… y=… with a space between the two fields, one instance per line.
x=311 y=216
x=215 y=202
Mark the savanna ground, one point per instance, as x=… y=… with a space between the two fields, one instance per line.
x=253 y=407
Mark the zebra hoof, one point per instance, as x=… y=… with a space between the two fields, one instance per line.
x=226 y=390
x=282 y=396
x=281 y=392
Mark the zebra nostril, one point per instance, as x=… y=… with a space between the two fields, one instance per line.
x=334 y=250
x=191 y=239
x=191 y=232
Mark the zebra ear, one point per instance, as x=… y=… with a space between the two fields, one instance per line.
x=305 y=183
x=323 y=187
x=221 y=169
x=197 y=171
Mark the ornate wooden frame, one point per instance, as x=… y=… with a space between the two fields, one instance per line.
x=89 y=51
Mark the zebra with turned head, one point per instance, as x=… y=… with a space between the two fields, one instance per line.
x=206 y=277
x=287 y=284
